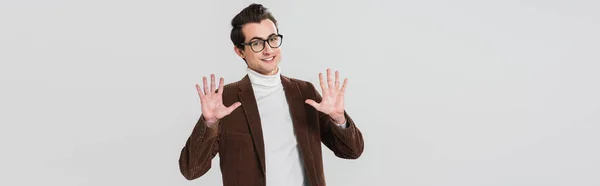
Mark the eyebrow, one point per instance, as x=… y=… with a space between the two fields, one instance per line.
x=253 y=38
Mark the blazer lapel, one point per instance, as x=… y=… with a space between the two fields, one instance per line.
x=296 y=104
x=248 y=100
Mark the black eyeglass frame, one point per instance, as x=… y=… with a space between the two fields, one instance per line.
x=265 y=42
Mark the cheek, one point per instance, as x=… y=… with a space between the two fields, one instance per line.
x=249 y=54
x=253 y=55
x=253 y=60
x=277 y=52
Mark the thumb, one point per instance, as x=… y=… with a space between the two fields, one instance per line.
x=233 y=106
x=311 y=103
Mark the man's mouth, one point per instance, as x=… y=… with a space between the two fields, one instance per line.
x=268 y=60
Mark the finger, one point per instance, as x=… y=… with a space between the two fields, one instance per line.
x=212 y=83
x=233 y=107
x=329 y=79
x=199 y=91
x=344 y=86
x=220 y=90
x=322 y=82
x=312 y=103
x=205 y=86
x=337 y=80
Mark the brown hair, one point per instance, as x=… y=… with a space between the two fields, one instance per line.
x=254 y=13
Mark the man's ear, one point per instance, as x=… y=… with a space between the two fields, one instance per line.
x=239 y=52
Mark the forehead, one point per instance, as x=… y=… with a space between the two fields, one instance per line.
x=262 y=30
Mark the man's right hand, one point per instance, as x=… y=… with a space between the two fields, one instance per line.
x=212 y=102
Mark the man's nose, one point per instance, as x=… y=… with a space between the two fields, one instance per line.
x=267 y=49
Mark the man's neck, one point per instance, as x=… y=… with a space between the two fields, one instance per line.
x=259 y=79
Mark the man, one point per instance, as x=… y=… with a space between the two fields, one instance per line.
x=275 y=137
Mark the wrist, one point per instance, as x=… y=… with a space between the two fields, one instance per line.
x=339 y=119
x=210 y=122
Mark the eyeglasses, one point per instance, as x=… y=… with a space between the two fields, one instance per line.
x=258 y=45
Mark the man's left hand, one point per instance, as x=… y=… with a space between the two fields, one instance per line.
x=332 y=103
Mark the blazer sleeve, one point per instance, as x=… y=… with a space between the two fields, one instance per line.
x=346 y=142
x=199 y=150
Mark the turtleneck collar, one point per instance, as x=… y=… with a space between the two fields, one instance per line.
x=265 y=80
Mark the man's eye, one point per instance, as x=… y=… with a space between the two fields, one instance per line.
x=274 y=39
x=255 y=43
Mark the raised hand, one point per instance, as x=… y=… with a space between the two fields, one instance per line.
x=332 y=103
x=212 y=102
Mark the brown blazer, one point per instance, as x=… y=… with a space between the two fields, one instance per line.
x=239 y=141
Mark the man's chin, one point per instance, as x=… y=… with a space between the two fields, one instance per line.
x=272 y=71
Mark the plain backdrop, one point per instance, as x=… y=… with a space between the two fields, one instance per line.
x=446 y=93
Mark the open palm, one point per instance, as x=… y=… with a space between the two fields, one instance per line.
x=332 y=102
x=212 y=102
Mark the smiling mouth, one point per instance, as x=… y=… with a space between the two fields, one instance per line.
x=268 y=60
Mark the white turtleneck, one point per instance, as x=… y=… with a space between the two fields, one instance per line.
x=284 y=164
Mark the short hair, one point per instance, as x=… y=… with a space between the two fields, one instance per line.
x=254 y=13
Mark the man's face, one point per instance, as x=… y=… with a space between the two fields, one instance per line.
x=267 y=60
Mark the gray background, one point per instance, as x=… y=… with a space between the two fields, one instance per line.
x=458 y=92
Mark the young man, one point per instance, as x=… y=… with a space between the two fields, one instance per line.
x=275 y=137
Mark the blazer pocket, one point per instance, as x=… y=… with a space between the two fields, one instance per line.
x=237 y=149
